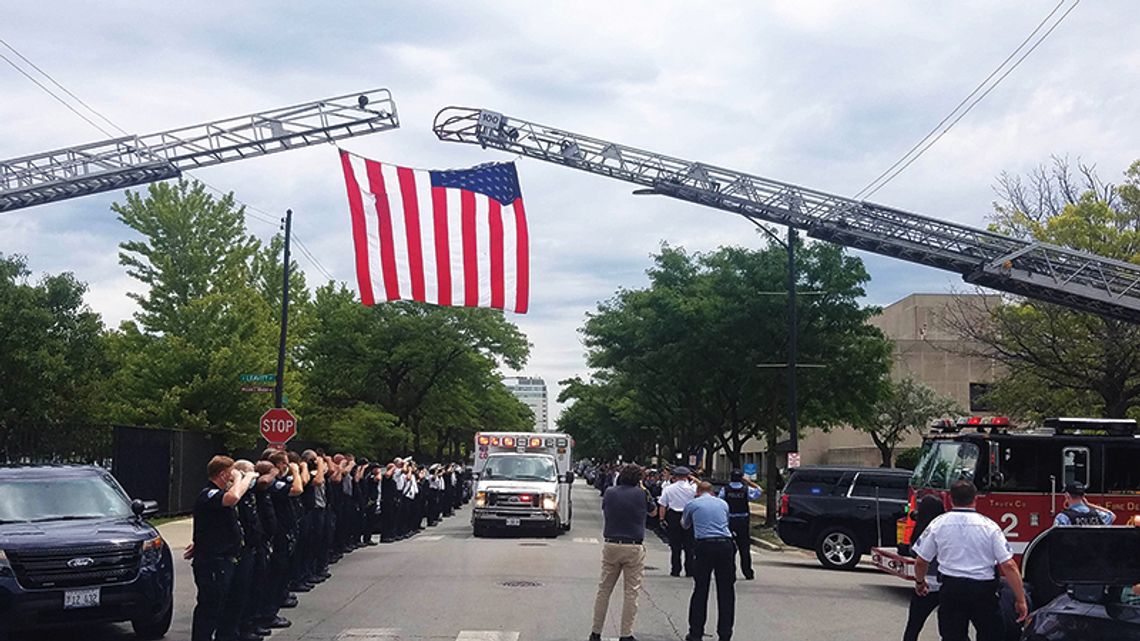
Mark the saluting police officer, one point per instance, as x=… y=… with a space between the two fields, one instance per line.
x=234 y=624
x=217 y=543
x=673 y=500
x=967 y=546
x=737 y=494
x=1078 y=511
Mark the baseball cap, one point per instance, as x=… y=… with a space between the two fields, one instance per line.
x=736 y=475
x=681 y=470
x=1075 y=488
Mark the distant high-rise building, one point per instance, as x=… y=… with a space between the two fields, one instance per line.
x=532 y=392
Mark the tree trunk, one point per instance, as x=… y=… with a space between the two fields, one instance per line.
x=886 y=449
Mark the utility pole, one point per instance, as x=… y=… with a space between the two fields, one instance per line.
x=280 y=387
x=793 y=340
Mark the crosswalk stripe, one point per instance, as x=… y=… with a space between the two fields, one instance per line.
x=369 y=634
x=487 y=635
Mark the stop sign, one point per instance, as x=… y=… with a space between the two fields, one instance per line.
x=278 y=425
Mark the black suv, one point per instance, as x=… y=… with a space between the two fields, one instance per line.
x=74 y=549
x=841 y=512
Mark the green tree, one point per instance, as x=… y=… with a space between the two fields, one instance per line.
x=427 y=366
x=905 y=407
x=605 y=421
x=690 y=348
x=208 y=314
x=52 y=359
x=193 y=246
x=1061 y=361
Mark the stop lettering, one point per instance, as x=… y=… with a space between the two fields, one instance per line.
x=278 y=425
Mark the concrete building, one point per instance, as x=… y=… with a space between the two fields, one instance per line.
x=532 y=392
x=928 y=350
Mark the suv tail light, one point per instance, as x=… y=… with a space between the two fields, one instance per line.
x=783 y=505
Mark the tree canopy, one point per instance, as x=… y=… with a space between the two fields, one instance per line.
x=687 y=362
x=52 y=358
x=905 y=407
x=1061 y=361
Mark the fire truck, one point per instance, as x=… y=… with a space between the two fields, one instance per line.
x=523 y=480
x=1021 y=475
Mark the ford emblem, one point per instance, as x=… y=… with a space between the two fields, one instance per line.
x=81 y=562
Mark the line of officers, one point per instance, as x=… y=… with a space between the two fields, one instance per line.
x=265 y=531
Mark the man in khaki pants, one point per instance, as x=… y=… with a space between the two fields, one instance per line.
x=624 y=507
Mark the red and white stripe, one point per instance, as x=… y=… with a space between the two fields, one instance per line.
x=444 y=246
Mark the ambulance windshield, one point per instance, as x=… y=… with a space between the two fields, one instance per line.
x=520 y=467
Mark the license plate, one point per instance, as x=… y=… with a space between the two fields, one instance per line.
x=73 y=599
x=514 y=521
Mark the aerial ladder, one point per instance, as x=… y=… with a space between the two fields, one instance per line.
x=1042 y=271
x=134 y=160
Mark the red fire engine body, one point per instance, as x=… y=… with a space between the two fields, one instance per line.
x=1021 y=475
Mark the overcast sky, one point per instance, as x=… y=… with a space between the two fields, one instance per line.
x=823 y=94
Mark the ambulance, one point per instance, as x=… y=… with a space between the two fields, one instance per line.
x=522 y=482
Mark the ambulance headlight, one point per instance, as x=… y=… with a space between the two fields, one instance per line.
x=549 y=502
x=480 y=499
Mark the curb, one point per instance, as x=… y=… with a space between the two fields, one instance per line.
x=771 y=547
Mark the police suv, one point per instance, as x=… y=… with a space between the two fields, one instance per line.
x=522 y=480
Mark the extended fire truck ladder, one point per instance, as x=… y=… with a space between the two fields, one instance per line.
x=1043 y=271
x=135 y=160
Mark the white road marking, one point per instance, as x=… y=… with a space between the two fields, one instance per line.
x=369 y=634
x=433 y=537
x=487 y=635
x=585 y=539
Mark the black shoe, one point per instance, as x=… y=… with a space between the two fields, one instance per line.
x=388 y=540
x=290 y=602
x=594 y=636
x=629 y=638
x=249 y=636
x=674 y=574
x=278 y=622
x=750 y=577
x=301 y=587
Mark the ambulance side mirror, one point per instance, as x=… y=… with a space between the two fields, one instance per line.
x=569 y=478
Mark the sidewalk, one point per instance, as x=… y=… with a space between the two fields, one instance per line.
x=178 y=534
x=759 y=514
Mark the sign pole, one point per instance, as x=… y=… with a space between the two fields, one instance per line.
x=279 y=388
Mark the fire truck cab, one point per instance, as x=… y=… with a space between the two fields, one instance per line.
x=523 y=480
x=1021 y=475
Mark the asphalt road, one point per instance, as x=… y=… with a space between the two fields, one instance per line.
x=446 y=585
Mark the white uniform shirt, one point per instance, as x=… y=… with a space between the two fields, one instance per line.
x=966 y=544
x=677 y=495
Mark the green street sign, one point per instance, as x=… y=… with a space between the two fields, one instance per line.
x=258 y=378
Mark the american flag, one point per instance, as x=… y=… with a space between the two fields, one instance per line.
x=454 y=237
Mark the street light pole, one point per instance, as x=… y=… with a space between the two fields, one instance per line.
x=793 y=340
